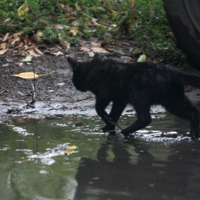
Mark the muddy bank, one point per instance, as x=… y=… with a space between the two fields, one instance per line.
x=55 y=92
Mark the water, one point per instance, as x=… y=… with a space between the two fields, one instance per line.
x=48 y=157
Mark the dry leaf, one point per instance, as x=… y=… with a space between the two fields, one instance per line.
x=71 y=147
x=99 y=50
x=38 y=51
x=91 y=53
x=39 y=34
x=112 y=11
x=64 y=43
x=73 y=32
x=30 y=75
x=23 y=8
x=58 y=53
x=94 y=21
x=5 y=37
x=61 y=26
x=5 y=65
x=3 y=51
x=15 y=40
x=96 y=44
x=3 y=45
x=142 y=58
x=104 y=42
x=33 y=53
x=18 y=34
x=85 y=49
x=75 y=23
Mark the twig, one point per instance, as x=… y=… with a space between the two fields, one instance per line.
x=84 y=99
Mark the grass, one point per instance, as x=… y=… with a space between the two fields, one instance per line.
x=141 y=20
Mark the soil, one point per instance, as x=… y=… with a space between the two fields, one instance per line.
x=55 y=92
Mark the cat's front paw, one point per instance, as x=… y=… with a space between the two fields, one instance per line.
x=125 y=132
x=104 y=129
x=107 y=128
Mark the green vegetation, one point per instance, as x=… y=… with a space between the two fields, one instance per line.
x=141 y=20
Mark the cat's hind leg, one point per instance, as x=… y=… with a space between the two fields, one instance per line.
x=182 y=107
x=143 y=119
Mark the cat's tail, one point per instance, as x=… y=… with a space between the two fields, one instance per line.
x=190 y=79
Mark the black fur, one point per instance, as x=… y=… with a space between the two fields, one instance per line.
x=140 y=84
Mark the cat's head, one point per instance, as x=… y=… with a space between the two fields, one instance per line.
x=81 y=71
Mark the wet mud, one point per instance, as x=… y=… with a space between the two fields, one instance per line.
x=54 y=92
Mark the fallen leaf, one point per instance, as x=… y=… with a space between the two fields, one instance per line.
x=71 y=147
x=69 y=151
x=85 y=49
x=27 y=59
x=99 y=50
x=23 y=8
x=57 y=53
x=104 y=42
x=61 y=26
x=5 y=65
x=75 y=23
x=3 y=51
x=96 y=44
x=7 y=20
x=73 y=32
x=18 y=34
x=20 y=64
x=142 y=58
x=112 y=41
x=94 y=21
x=33 y=53
x=44 y=172
x=38 y=51
x=3 y=45
x=113 y=25
x=91 y=54
x=112 y=11
x=5 y=37
x=39 y=34
x=15 y=40
x=30 y=75
x=64 y=43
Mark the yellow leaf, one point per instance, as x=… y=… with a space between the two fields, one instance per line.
x=112 y=41
x=15 y=40
x=71 y=147
x=113 y=25
x=23 y=9
x=73 y=32
x=142 y=58
x=30 y=75
x=69 y=151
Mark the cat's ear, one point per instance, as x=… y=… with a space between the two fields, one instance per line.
x=96 y=57
x=73 y=63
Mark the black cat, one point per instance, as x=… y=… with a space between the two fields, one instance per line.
x=139 y=84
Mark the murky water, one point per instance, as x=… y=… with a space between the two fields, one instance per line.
x=50 y=158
